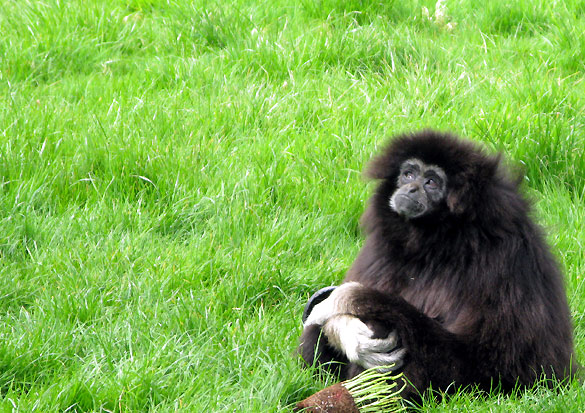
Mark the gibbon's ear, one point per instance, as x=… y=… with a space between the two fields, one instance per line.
x=470 y=187
x=456 y=199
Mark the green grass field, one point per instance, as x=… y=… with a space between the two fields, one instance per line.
x=176 y=178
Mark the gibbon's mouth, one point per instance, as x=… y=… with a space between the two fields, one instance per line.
x=405 y=205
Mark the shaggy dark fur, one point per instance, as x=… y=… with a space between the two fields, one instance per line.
x=472 y=290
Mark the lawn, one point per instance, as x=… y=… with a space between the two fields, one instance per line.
x=176 y=179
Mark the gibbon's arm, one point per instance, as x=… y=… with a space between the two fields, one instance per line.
x=346 y=333
x=373 y=329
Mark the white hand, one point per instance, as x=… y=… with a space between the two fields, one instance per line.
x=354 y=338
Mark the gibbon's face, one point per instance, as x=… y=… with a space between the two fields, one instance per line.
x=421 y=188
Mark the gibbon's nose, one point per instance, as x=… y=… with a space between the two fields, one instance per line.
x=413 y=188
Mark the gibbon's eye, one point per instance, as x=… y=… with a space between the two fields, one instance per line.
x=432 y=183
x=408 y=175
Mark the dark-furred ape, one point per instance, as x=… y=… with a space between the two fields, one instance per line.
x=454 y=285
